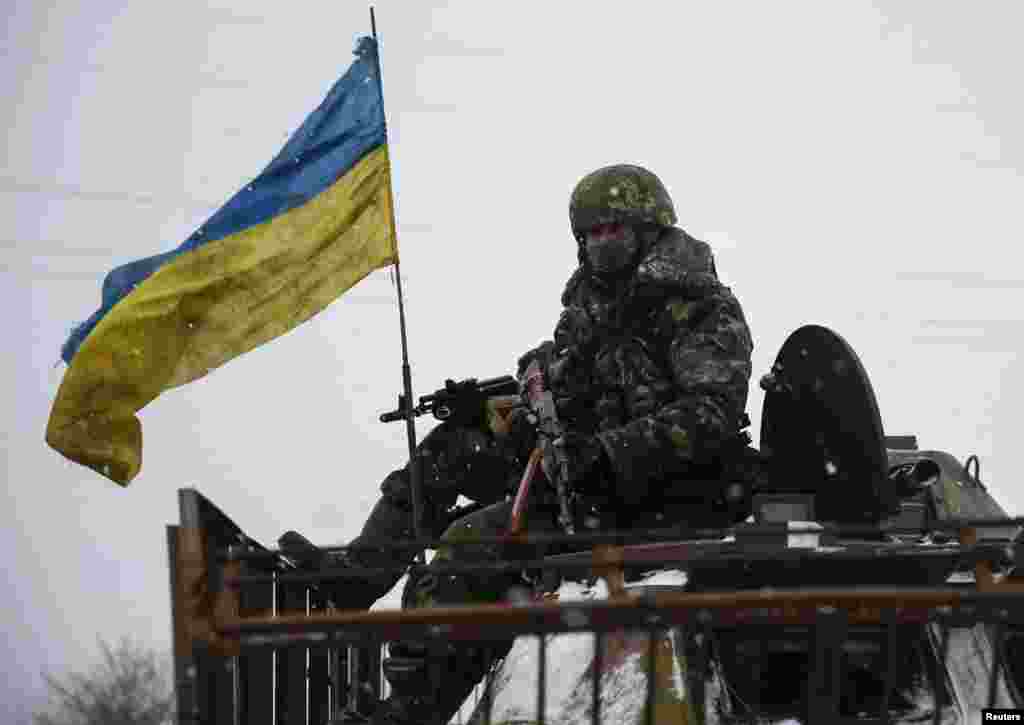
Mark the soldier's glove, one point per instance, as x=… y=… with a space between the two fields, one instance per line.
x=584 y=457
x=542 y=354
x=521 y=438
x=301 y=550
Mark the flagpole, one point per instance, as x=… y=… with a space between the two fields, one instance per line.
x=410 y=426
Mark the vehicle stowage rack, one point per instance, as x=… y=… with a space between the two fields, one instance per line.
x=255 y=641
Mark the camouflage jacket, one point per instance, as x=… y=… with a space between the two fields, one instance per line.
x=658 y=368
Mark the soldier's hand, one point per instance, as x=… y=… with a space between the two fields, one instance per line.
x=521 y=435
x=582 y=457
x=542 y=354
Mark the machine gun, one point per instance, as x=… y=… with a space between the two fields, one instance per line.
x=550 y=430
x=461 y=402
x=465 y=402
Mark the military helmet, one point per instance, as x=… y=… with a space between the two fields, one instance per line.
x=623 y=194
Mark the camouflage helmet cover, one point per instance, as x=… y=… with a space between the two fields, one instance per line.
x=619 y=194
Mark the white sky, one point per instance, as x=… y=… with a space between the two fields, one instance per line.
x=853 y=164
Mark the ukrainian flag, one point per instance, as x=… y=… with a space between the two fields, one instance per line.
x=316 y=221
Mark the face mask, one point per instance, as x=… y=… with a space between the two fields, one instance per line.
x=611 y=254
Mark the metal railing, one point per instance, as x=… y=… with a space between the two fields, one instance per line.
x=256 y=642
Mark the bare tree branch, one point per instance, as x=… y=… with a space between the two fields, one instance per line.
x=131 y=686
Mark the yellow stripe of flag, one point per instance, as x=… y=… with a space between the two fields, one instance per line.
x=214 y=303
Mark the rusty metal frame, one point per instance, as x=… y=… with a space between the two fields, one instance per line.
x=253 y=640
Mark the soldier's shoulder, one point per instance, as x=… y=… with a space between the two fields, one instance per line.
x=678 y=264
x=572 y=287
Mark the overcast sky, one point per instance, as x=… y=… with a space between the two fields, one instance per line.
x=856 y=164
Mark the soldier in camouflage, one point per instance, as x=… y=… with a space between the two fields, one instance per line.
x=455 y=459
x=649 y=365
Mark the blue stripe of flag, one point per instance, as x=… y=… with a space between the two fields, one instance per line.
x=347 y=125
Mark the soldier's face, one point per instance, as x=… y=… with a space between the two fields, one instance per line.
x=611 y=248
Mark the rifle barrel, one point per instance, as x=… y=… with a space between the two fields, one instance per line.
x=504 y=384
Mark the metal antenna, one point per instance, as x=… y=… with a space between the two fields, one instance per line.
x=410 y=425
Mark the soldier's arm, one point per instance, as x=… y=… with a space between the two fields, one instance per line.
x=709 y=356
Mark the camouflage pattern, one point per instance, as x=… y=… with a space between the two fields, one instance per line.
x=658 y=368
x=453 y=460
x=622 y=193
x=447 y=673
x=430 y=591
